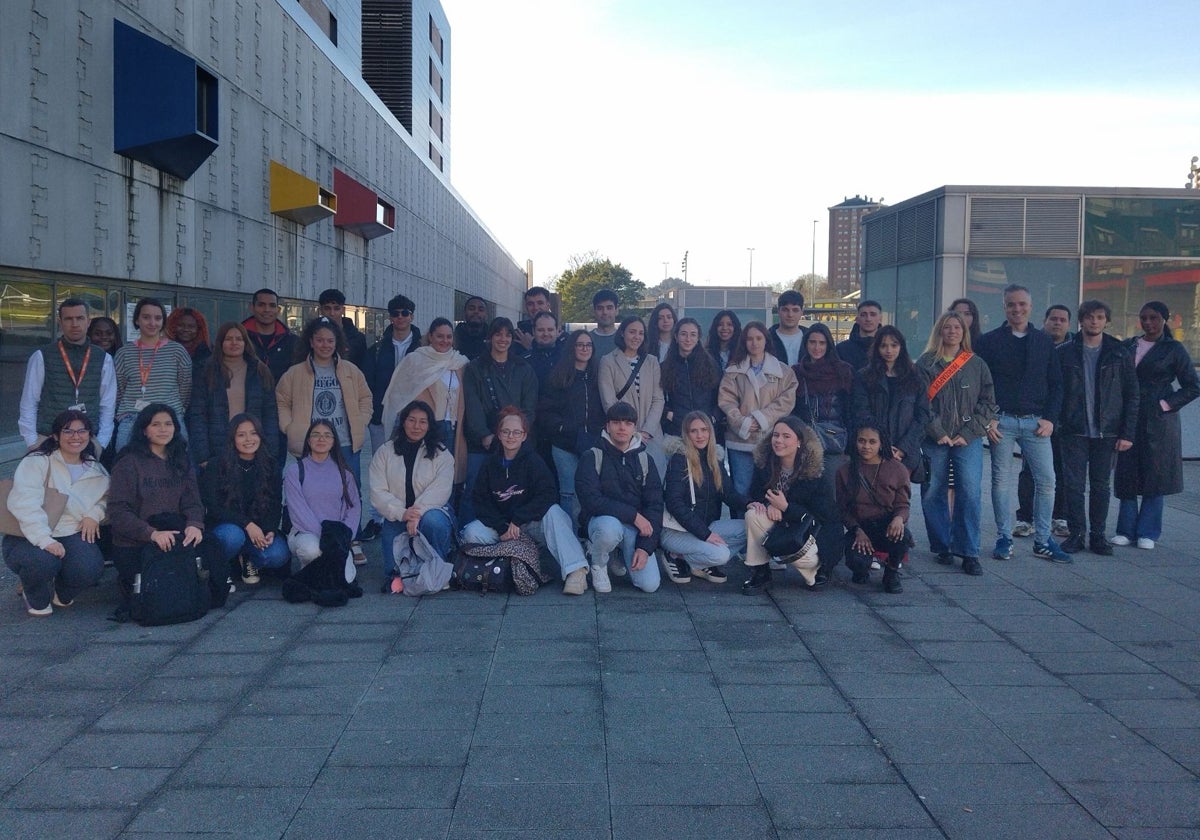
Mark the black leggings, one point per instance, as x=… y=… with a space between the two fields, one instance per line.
x=876 y=531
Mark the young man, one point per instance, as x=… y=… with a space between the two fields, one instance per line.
x=537 y=301
x=1057 y=325
x=787 y=337
x=853 y=351
x=470 y=337
x=272 y=341
x=70 y=373
x=605 y=310
x=333 y=305
x=1028 y=385
x=398 y=340
x=546 y=349
x=1099 y=418
x=621 y=502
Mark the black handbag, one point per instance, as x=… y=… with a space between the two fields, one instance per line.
x=788 y=538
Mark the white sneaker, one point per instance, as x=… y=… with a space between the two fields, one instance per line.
x=1145 y=543
x=576 y=582
x=1059 y=527
x=1023 y=529
x=600 y=581
x=875 y=567
x=1120 y=540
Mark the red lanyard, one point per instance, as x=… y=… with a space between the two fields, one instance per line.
x=144 y=370
x=75 y=380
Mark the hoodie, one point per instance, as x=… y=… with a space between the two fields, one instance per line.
x=622 y=487
x=516 y=493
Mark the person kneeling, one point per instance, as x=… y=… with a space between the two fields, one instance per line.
x=873 y=496
x=621 y=504
x=515 y=494
x=695 y=540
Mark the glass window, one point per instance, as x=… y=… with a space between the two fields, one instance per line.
x=26 y=323
x=1126 y=285
x=1049 y=281
x=913 y=314
x=1142 y=227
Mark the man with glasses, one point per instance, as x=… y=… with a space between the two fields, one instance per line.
x=398 y=340
x=70 y=373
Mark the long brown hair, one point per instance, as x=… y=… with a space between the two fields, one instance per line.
x=218 y=374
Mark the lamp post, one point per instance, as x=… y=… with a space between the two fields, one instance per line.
x=665 y=264
x=813 y=271
x=751 y=250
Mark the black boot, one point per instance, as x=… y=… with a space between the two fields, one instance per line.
x=891 y=581
x=759 y=581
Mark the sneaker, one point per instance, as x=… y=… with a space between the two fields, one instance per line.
x=360 y=559
x=1003 y=549
x=945 y=558
x=396 y=586
x=1059 y=527
x=1050 y=550
x=249 y=572
x=713 y=574
x=971 y=566
x=59 y=602
x=1023 y=529
x=1145 y=543
x=1073 y=544
x=43 y=611
x=875 y=567
x=576 y=582
x=600 y=581
x=232 y=586
x=369 y=532
x=1098 y=545
x=675 y=567
x=1121 y=540
x=617 y=569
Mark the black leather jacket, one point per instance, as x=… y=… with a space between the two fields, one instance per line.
x=1116 y=390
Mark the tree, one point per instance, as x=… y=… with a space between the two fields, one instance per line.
x=667 y=285
x=588 y=274
x=804 y=285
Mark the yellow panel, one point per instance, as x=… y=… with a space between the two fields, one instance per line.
x=300 y=199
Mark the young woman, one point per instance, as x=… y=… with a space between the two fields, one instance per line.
x=55 y=562
x=104 y=333
x=232 y=382
x=243 y=502
x=494 y=380
x=631 y=374
x=962 y=403
x=323 y=386
x=320 y=486
x=515 y=495
x=873 y=496
x=432 y=374
x=823 y=385
x=723 y=336
x=695 y=539
x=689 y=378
x=570 y=413
x=152 y=479
x=1153 y=468
x=890 y=391
x=969 y=312
x=788 y=485
x=411 y=483
x=152 y=369
x=188 y=327
x=661 y=329
x=756 y=390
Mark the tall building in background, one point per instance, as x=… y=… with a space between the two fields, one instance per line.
x=846 y=243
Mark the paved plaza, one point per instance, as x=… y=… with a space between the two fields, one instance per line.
x=1038 y=701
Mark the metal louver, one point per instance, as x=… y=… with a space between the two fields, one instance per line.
x=1036 y=226
x=997 y=225
x=1052 y=226
x=916 y=234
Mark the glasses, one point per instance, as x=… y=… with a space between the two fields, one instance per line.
x=75 y=432
x=401 y=313
x=320 y=436
x=511 y=432
x=583 y=345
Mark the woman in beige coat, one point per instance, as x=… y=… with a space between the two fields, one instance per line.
x=630 y=375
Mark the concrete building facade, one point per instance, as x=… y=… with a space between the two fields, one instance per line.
x=846 y=243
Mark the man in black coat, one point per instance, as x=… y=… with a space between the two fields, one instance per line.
x=470 y=337
x=853 y=351
x=333 y=305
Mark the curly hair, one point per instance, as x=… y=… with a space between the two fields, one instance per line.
x=323 y=322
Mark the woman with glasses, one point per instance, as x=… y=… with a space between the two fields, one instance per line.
x=56 y=560
x=411 y=483
x=570 y=413
x=515 y=496
x=320 y=486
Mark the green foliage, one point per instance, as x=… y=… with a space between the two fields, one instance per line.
x=589 y=274
x=667 y=285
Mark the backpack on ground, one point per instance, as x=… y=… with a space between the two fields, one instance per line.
x=177 y=586
x=506 y=566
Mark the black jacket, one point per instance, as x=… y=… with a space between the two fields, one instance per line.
x=564 y=413
x=208 y=414
x=379 y=363
x=485 y=392
x=903 y=417
x=777 y=349
x=1154 y=466
x=543 y=360
x=811 y=490
x=853 y=350
x=1034 y=389
x=470 y=343
x=216 y=488
x=356 y=344
x=686 y=396
x=276 y=349
x=620 y=489
x=677 y=496
x=516 y=494
x=1116 y=390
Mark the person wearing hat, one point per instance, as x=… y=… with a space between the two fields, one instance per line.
x=333 y=305
x=621 y=502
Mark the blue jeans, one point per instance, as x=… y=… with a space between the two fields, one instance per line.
x=701 y=554
x=43 y=575
x=959 y=535
x=609 y=534
x=1036 y=450
x=741 y=469
x=1141 y=522
x=437 y=526
x=234 y=541
x=553 y=530
x=466 y=506
x=565 y=464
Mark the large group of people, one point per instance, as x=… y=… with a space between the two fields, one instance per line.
x=618 y=450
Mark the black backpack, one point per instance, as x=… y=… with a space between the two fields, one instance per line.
x=179 y=585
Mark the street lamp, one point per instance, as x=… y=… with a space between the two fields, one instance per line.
x=751 y=250
x=813 y=271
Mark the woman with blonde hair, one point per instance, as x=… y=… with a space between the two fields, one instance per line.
x=695 y=539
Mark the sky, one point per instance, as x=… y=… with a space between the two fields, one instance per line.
x=641 y=129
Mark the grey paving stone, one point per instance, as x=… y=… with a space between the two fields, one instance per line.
x=664 y=711
x=569 y=728
x=651 y=640
x=535 y=764
x=798 y=806
x=461 y=832
x=323 y=673
x=1106 y=662
x=839 y=661
x=339 y=633
x=278 y=731
x=427 y=643
x=542 y=701
x=293 y=700
x=784 y=698
x=186 y=689
x=1168 y=711
x=510 y=650
x=939 y=652
x=1098 y=759
x=35 y=737
x=1079 y=642
x=657 y=683
x=946 y=788
x=1182 y=745
x=1023 y=821
x=244 y=812
x=403 y=748
x=747 y=670
x=53 y=785
x=191 y=716
x=257 y=767
x=914 y=686
x=474 y=625
x=35 y=701
x=1187 y=673
x=681 y=784
x=820 y=728
x=1128 y=686
x=1046 y=624
x=551 y=673
x=701 y=745
x=92 y=823
x=372 y=787
x=933 y=742
x=216 y=665
x=462 y=603
x=655 y=661
x=783 y=764
x=670 y=822
x=997 y=673
x=1045 y=699
x=397 y=822
x=338 y=652
x=863 y=834
x=398 y=715
x=225 y=640
x=560 y=807
x=1164 y=650
x=128 y=749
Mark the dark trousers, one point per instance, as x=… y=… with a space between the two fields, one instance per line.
x=1090 y=460
x=876 y=531
x=1025 y=487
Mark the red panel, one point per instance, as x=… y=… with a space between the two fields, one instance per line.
x=357 y=207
